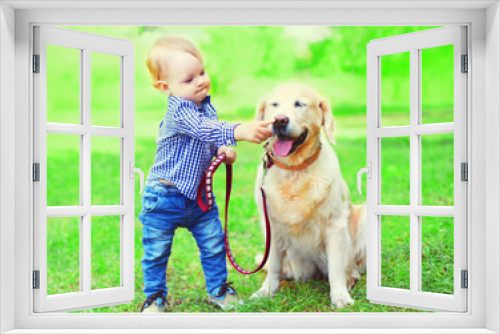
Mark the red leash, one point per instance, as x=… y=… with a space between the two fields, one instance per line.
x=206 y=185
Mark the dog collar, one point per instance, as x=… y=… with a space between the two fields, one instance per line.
x=273 y=161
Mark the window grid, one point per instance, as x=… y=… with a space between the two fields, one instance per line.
x=414 y=297
x=86 y=298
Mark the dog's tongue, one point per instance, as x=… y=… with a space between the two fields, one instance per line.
x=282 y=147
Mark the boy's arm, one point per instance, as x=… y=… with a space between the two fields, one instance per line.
x=189 y=121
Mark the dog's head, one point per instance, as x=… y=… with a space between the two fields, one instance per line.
x=299 y=113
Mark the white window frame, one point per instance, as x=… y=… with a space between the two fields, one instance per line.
x=16 y=128
x=123 y=50
x=414 y=43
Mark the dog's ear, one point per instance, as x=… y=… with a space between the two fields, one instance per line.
x=328 y=121
x=260 y=112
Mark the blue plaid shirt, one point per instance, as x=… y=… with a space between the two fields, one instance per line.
x=188 y=138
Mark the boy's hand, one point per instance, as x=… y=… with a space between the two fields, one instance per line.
x=255 y=132
x=230 y=154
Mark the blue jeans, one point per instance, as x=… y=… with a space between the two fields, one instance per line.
x=164 y=209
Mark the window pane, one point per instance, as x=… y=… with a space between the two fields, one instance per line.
x=395 y=257
x=437 y=169
x=395 y=171
x=395 y=89
x=437 y=84
x=63 y=255
x=437 y=254
x=63 y=170
x=63 y=85
x=106 y=171
x=105 y=252
x=105 y=89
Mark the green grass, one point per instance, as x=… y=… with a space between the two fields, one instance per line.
x=185 y=275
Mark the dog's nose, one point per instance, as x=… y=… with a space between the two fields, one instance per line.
x=280 y=123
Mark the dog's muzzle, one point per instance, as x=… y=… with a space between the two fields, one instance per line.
x=280 y=125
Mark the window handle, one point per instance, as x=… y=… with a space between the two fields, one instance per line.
x=368 y=171
x=138 y=171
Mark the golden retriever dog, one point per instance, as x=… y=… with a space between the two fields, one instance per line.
x=314 y=227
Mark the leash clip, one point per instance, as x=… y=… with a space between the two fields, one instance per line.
x=266 y=164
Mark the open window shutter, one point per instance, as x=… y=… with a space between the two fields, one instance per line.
x=416 y=263
x=73 y=267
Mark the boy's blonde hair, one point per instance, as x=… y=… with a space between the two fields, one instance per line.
x=157 y=59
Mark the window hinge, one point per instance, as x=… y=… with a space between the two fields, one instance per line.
x=465 y=279
x=36 y=63
x=465 y=64
x=36 y=279
x=36 y=172
x=464 y=171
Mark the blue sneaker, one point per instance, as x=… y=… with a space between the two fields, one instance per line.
x=226 y=298
x=155 y=303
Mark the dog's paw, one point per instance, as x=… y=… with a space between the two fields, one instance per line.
x=256 y=295
x=341 y=300
x=262 y=293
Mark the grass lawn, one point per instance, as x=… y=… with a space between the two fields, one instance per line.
x=185 y=276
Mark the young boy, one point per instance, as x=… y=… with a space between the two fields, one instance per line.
x=189 y=136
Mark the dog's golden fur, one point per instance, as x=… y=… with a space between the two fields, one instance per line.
x=315 y=228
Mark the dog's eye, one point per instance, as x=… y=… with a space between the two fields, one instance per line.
x=275 y=104
x=299 y=104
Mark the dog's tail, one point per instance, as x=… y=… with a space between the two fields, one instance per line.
x=358 y=234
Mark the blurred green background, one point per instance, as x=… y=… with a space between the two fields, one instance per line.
x=244 y=63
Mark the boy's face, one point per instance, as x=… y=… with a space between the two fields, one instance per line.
x=187 y=77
